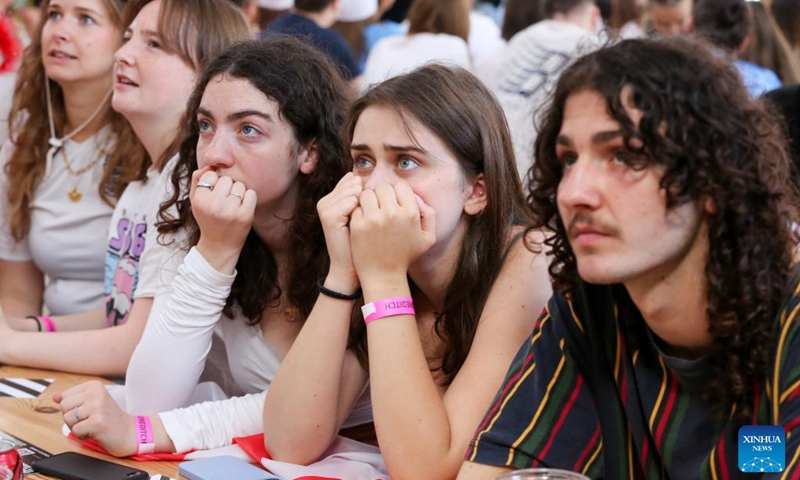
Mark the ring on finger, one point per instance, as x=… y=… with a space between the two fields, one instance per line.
x=77 y=414
x=205 y=185
x=237 y=195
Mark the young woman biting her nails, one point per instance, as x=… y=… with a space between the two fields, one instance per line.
x=430 y=225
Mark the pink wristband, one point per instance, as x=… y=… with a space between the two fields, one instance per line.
x=388 y=307
x=48 y=323
x=144 y=436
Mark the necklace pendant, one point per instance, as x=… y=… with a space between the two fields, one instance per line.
x=74 y=195
x=56 y=142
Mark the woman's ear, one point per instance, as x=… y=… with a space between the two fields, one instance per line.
x=308 y=157
x=477 y=199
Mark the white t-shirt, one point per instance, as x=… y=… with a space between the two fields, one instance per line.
x=7 y=83
x=485 y=38
x=531 y=66
x=401 y=54
x=131 y=240
x=67 y=239
x=187 y=339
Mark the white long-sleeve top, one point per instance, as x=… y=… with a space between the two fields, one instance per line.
x=187 y=339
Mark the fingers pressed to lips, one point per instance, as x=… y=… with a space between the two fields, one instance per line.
x=405 y=196
x=239 y=189
x=368 y=202
x=208 y=176
x=387 y=198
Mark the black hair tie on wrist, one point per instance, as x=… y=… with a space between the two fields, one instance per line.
x=38 y=322
x=337 y=295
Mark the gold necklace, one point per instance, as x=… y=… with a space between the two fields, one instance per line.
x=75 y=195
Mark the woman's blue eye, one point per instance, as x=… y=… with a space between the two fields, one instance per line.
x=362 y=162
x=53 y=15
x=203 y=126
x=249 y=130
x=407 y=163
x=87 y=20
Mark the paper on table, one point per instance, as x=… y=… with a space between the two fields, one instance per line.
x=23 y=387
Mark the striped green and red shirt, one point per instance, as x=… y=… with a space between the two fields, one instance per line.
x=584 y=394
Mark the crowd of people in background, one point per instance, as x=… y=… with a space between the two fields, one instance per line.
x=469 y=236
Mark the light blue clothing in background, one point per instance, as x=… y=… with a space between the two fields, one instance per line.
x=496 y=13
x=757 y=79
x=378 y=31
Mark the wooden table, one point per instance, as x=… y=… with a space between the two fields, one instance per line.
x=38 y=421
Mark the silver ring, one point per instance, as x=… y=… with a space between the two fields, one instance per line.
x=207 y=185
x=237 y=195
x=77 y=415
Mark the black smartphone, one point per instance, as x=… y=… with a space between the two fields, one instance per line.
x=76 y=466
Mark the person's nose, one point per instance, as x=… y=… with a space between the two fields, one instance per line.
x=60 y=29
x=215 y=151
x=580 y=186
x=381 y=173
x=125 y=54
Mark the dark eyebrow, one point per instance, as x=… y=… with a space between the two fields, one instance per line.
x=237 y=115
x=202 y=111
x=603 y=137
x=250 y=113
x=393 y=148
x=597 y=138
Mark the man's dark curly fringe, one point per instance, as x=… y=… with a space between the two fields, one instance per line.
x=715 y=143
x=309 y=93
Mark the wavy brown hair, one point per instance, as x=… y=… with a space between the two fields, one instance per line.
x=311 y=98
x=466 y=117
x=714 y=143
x=29 y=130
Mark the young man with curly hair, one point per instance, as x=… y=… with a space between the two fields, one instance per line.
x=674 y=323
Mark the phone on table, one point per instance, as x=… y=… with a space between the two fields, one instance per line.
x=76 y=466
x=223 y=467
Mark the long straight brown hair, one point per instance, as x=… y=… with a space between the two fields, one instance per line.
x=440 y=16
x=466 y=117
x=29 y=129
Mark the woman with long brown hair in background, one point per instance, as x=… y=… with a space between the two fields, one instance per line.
x=768 y=46
x=437 y=32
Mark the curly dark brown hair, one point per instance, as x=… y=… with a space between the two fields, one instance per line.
x=714 y=143
x=311 y=98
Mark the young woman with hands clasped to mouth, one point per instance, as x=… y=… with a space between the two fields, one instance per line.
x=262 y=149
x=430 y=225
